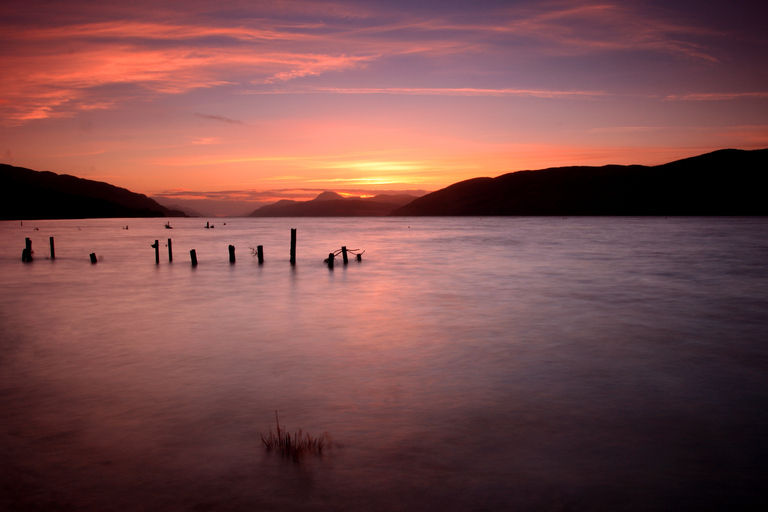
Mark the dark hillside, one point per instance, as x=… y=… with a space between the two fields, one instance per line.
x=726 y=182
x=27 y=194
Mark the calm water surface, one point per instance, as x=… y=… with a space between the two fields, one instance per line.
x=464 y=364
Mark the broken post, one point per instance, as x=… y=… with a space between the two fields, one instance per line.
x=260 y=253
x=231 y=253
x=26 y=254
x=156 y=245
x=53 y=253
x=331 y=256
x=193 y=256
x=93 y=257
x=344 y=254
x=359 y=257
x=170 y=251
x=293 y=246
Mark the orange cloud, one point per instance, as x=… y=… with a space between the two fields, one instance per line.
x=46 y=82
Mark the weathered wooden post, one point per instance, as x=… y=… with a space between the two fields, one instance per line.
x=260 y=253
x=193 y=256
x=331 y=256
x=170 y=251
x=293 y=246
x=53 y=253
x=156 y=245
x=231 y=253
x=26 y=254
x=359 y=257
x=344 y=254
x=93 y=257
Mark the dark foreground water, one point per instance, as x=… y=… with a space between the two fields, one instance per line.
x=547 y=364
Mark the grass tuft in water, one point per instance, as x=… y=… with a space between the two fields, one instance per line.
x=296 y=445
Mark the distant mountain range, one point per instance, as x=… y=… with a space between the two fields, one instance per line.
x=27 y=194
x=331 y=204
x=725 y=182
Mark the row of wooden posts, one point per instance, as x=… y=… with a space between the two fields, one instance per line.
x=26 y=255
x=193 y=253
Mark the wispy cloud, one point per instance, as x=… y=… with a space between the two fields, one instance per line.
x=61 y=69
x=219 y=118
x=206 y=141
x=444 y=91
x=589 y=26
x=311 y=65
x=730 y=96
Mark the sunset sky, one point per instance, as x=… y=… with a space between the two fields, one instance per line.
x=262 y=100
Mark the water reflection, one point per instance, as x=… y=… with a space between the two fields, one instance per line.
x=529 y=364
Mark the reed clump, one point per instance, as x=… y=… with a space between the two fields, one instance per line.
x=296 y=445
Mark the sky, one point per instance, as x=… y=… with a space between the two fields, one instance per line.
x=263 y=100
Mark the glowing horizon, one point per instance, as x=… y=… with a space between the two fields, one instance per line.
x=350 y=95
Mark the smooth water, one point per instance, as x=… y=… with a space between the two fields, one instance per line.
x=464 y=364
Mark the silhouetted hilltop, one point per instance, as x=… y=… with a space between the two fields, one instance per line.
x=725 y=182
x=187 y=211
x=331 y=204
x=27 y=194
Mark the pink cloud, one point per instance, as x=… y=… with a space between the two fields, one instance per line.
x=575 y=28
x=447 y=91
x=57 y=70
x=718 y=96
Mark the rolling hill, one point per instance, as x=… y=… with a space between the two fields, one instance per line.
x=331 y=204
x=27 y=194
x=725 y=182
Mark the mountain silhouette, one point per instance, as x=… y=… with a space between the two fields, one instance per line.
x=725 y=182
x=331 y=204
x=28 y=194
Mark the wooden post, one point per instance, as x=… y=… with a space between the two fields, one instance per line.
x=26 y=254
x=156 y=245
x=293 y=246
x=170 y=251
x=231 y=253
x=330 y=260
x=359 y=257
x=193 y=256
x=93 y=257
x=260 y=253
x=53 y=252
x=344 y=254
